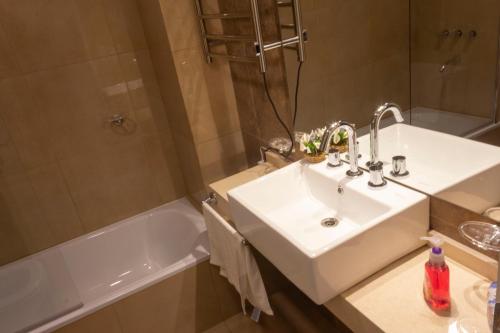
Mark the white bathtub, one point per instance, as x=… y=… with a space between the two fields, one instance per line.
x=52 y=288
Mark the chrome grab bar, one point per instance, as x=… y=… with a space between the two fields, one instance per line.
x=220 y=16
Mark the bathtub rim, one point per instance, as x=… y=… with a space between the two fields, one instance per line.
x=131 y=289
x=90 y=307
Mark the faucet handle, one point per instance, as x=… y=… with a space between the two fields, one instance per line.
x=347 y=157
x=334 y=157
x=399 y=166
x=377 y=175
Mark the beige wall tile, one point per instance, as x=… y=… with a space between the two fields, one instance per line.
x=185 y=302
x=468 y=84
x=8 y=63
x=190 y=166
x=199 y=98
x=49 y=34
x=64 y=169
x=55 y=200
x=74 y=106
x=355 y=60
x=181 y=24
x=144 y=92
x=349 y=96
x=22 y=227
x=10 y=161
x=22 y=216
x=208 y=96
x=222 y=157
x=104 y=321
x=388 y=36
x=170 y=91
x=172 y=96
x=389 y=87
x=124 y=22
x=162 y=157
x=26 y=121
x=13 y=244
x=110 y=185
x=95 y=28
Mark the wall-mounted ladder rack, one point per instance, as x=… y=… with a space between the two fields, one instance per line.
x=294 y=43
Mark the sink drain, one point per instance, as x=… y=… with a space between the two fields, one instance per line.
x=329 y=222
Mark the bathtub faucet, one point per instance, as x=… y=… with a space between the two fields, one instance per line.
x=452 y=61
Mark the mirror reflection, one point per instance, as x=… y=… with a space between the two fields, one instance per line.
x=436 y=60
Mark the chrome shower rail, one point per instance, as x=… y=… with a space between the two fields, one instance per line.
x=295 y=43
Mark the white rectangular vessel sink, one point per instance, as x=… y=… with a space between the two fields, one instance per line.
x=281 y=214
x=442 y=165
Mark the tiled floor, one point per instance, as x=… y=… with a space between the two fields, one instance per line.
x=293 y=312
x=243 y=324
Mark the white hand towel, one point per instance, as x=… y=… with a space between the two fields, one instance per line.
x=235 y=260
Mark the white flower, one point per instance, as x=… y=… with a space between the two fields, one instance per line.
x=303 y=140
x=336 y=138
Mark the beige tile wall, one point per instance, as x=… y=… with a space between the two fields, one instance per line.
x=258 y=122
x=357 y=58
x=468 y=85
x=188 y=302
x=200 y=97
x=66 y=66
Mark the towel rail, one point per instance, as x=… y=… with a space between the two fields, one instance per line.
x=240 y=38
x=284 y=3
x=212 y=200
x=221 y=16
x=231 y=57
x=295 y=43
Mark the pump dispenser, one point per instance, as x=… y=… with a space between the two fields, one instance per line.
x=437 y=277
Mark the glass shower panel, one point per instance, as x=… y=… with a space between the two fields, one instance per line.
x=454 y=58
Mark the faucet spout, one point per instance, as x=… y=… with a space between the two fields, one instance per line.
x=353 y=171
x=375 y=126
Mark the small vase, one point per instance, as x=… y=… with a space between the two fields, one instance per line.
x=314 y=158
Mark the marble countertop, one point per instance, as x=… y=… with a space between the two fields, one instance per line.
x=391 y=300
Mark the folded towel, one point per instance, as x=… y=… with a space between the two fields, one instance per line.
x=235 y=260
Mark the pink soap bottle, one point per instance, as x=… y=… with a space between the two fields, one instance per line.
x=437 y=277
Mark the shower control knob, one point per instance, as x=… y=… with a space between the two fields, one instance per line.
x=445 y=33
x=472 y=34
x=458 y=33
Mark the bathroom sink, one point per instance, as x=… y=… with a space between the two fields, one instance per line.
x=442 y=165
x=324 y=230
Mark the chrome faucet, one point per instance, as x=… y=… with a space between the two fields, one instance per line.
x=375 y=126
x=353 y=171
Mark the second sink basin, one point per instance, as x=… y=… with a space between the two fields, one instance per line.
x=324 y=230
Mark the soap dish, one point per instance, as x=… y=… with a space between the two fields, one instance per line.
x=493 y=213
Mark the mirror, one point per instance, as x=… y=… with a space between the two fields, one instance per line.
x=437 y=59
